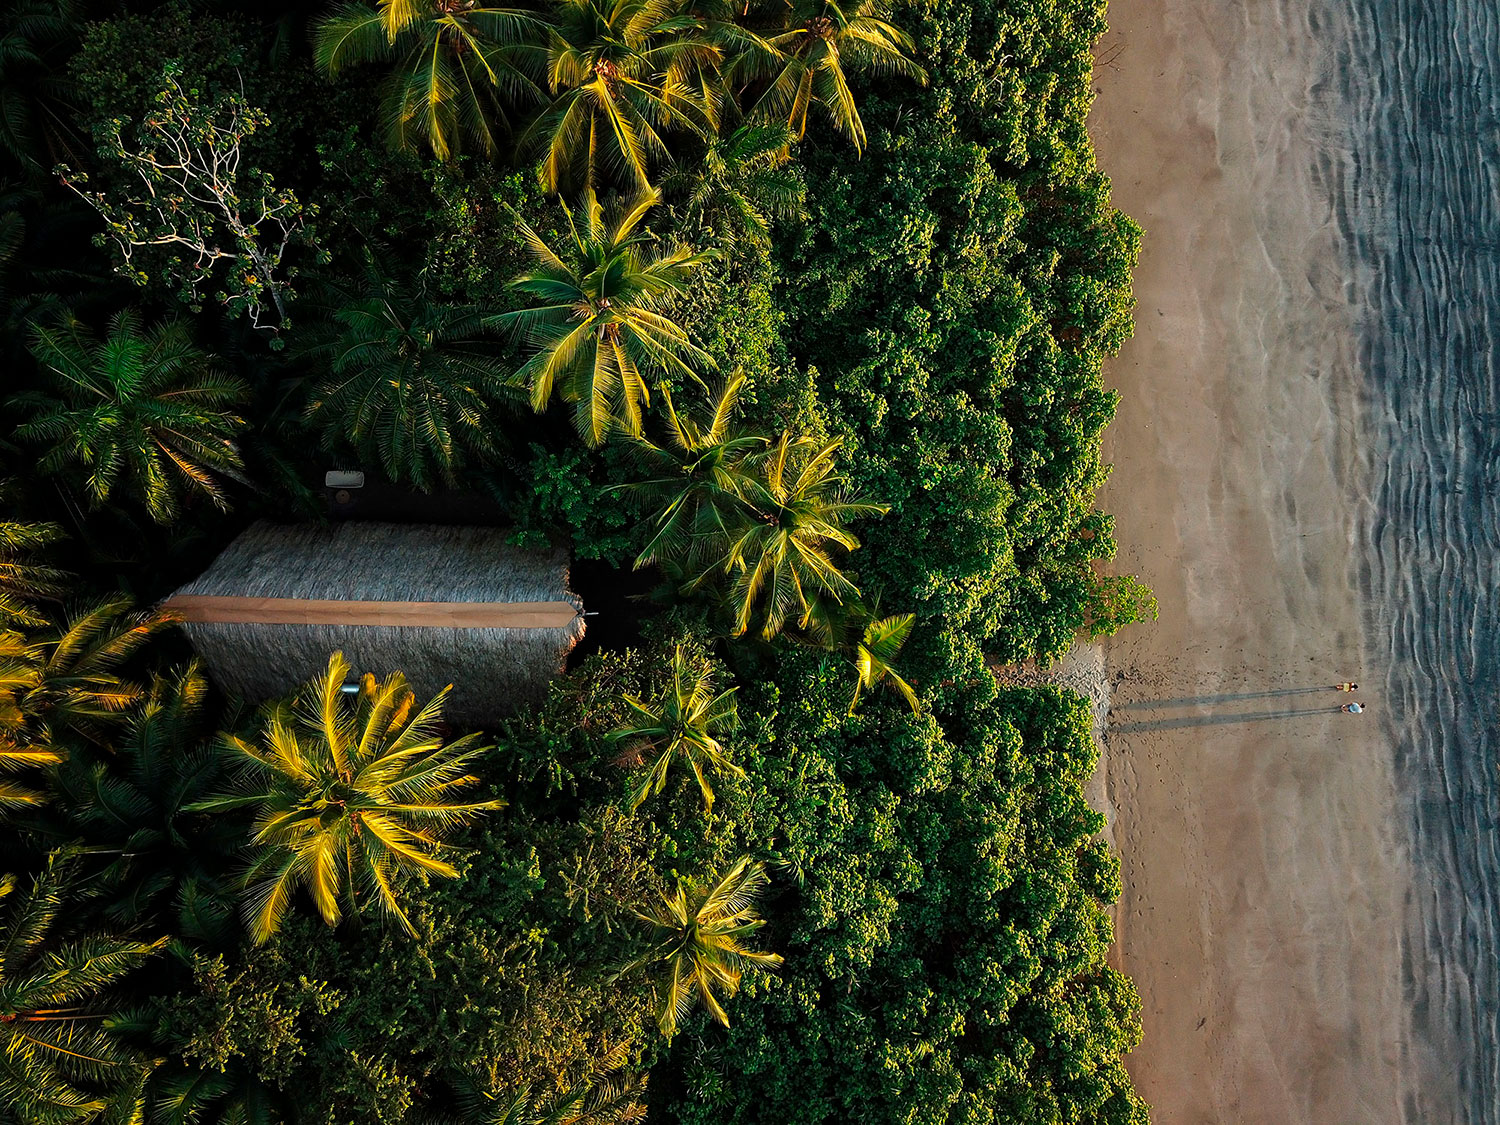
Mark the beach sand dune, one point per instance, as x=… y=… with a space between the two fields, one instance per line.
x=1264 y=861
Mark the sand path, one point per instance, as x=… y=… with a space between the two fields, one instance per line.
x=1263 y=864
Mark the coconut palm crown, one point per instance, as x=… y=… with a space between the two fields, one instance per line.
x=408 y=383
x=742 y=183
x=809 y=61
x=126 y=806
x=142 y=412
x=597 y=324
x=698 y=936
x=58 y=1061
x=875 y=653
x=683 y=723
x=780 y=562
x=696 y=482
x=347 y=794
x=459 y=66
x=24 y=578
x=622 y=74
x=64 y=680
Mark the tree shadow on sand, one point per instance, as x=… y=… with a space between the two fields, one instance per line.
x=1233 y=697
x=1216 y=720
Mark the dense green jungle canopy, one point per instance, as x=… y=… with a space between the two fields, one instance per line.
x=790 y=328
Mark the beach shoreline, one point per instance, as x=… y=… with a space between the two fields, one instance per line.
x=1264 y=863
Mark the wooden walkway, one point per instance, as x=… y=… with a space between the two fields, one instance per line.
x=308 y=611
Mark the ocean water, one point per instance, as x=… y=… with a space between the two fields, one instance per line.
x=1412 y=161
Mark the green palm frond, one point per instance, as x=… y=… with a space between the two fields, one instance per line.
x=780 y=560
x=62 y=681
x=458 y=70
x=697 y=934
x=875 y=658
x=622 y=74
x=600 y=1092
x=58 y=1063
x=408 y=383
x=696 y=484
x=127 y=808
x=596 y=324
x=142 y=412
x=24 y=578
x=346 y=794
x=806 y=57
x=743 y=183
x=684 y=725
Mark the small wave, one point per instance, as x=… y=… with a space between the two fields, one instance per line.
x=1414 y=160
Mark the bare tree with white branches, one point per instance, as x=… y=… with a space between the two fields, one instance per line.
x=210 y=212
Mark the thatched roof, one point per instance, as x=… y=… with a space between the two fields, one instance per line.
x=495 y=621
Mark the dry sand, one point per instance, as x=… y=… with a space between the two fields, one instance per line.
x=1264 y=868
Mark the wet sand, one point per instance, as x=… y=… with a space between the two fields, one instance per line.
x=1264 y=865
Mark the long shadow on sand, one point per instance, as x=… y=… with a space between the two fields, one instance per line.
x=1216 y=720
x=1235 y=697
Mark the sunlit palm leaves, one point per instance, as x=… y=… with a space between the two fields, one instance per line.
x=696 y=482
x=697 y=942
x=875 y=655
x=64 y=680
x=346 y=795
x=24 y=579
x=597 y=323
x=780 y=561
x=59 y=1062
x=602 y=1093
x=682 y=725
x=405 y=382
x=743 y=182
x=622 y=74
x=144 y=413
x=821 y=43
x=460 y=66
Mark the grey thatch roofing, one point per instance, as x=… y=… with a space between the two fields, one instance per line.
x=492 y=670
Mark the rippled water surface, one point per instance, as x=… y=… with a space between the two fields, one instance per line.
x=1414 y=161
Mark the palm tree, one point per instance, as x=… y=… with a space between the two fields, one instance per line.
x=127 y=808
x=741 y=185
x=696 y=482
x=346 y=795
x=23 y=580
x=622 y=73
x=408 y=383
x=875 y=653
x=37 y=114
x=64 y=681
x=597 y=1094
x=143 y=412
x=598 y=324
x=699 y=934
x=233 y=1096
x=780 y=562
x=683 y=724
x=808 y=60
x=59 y=1062
x=459 y=66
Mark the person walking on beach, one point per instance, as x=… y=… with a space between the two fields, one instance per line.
x=1352 y=709
x=1346 y=687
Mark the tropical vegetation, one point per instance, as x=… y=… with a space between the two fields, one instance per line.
x=345 y=797
x=809 y=301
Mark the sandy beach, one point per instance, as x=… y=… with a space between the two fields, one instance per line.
x=1264 y=862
